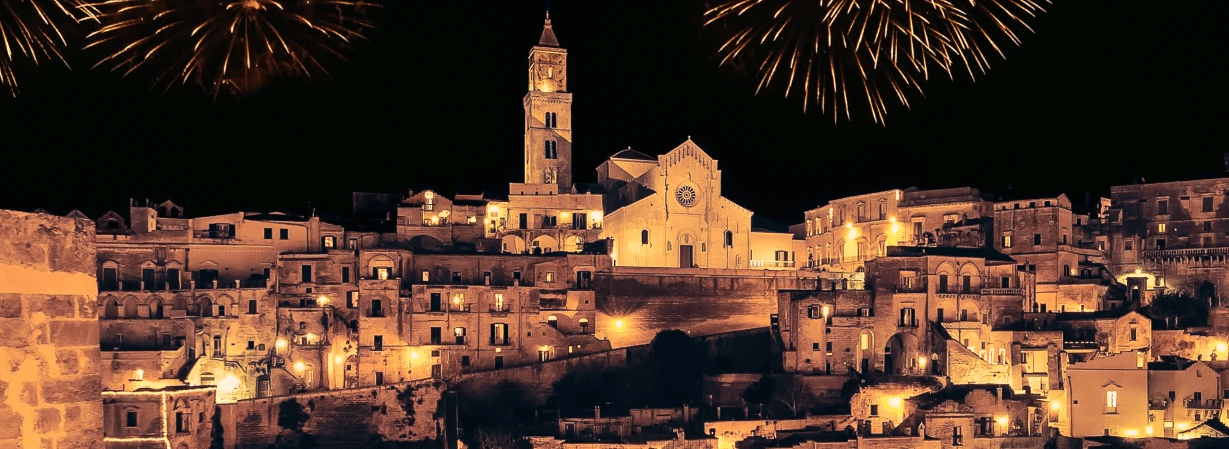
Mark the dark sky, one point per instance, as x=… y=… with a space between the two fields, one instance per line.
x=1102 y=92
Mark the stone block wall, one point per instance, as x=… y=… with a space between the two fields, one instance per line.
x=50 y=388
x=357 y=417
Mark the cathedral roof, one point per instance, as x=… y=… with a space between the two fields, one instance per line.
x=633 y=155
x=548 y=35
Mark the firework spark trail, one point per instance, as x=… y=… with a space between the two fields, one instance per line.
x=30 y=29
x=882 y=48
x=227 y=46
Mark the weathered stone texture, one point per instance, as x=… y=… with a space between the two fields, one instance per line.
x=48 y=333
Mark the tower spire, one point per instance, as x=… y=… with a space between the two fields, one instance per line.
x=548 y=34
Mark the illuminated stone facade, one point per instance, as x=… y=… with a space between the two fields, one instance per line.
x=888 y=326
x=1170 y=235
x=174 y=417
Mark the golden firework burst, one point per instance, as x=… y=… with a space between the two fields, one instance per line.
x=233 y=46
x=844 y=53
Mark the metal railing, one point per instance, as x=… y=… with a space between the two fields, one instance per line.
x=1209 y=404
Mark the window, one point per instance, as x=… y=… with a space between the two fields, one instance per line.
x=1162 y=207
x=550 y=276
x=644 y=237
x=815 y=346
x=552 y=149
x=828 y=348
x=1007 y=240
x=251 y=307
x=907 y=317
x=465 y=361
x=251 y=344
x=284 y=234
x=1207 y=204
x=874 y=410
x=499 y=334
x=382 y=273
x=1207 y=226
x=379 y=378
x=499 y=301
x=1111 y=401
x=330 y=242
x=1160 y=228
x=426 y=276
x=459 y=333
x=1127 y=245
x=866 y=341
x=268 y=233
x=957 y=436
x=456 y=277
x=437 y=335
x=729 y=239
x=1134 y=333
x=813 y=312
x=307 y=273
x=130 y=419
x=378 y=344
x=1160 y=243
x=352 y=300
x=1036 y=239
x=345 y=274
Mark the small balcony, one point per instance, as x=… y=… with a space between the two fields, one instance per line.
x=1002 y=291
x=1204 y=404
x=907 y=324
x=377 y=313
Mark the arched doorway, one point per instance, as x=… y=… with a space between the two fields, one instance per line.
x=900 y=354
x=425 y=243
x=513 y=244
x=110 y=309
x=1207 y=293
x=544 y=244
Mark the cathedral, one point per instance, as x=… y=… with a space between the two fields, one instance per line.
x=664 y=211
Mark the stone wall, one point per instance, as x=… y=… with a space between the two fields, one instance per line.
x=701 y=301
x=357 y=417
x=50 y=391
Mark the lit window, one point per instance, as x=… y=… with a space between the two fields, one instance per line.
x=1160 y=228
x=499 y=301
x=1007 y=241
x=426 y=276
x=330 y=242
x=550 y=276
x=866 y=341
x=1111 y=402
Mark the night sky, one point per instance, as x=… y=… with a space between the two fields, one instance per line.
x=1103 y=92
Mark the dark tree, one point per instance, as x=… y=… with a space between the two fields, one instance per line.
x=502 y=404
x=291 y=415
x=589 y=386
x=761 y=391
x=677 y=364
x=1173 y=307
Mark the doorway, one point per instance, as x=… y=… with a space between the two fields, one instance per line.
x=685 y=256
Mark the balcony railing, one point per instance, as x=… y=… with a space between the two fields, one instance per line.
x=1207 y=404
x=377 y=313
x=1186 y=252
x=1002 y=291
x=463 y=307
x=501 y=309
x=912 y=323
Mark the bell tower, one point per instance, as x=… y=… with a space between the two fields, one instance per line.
x=548 y=114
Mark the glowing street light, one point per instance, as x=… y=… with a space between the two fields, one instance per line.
x=1148 y=430
x=229 y=384
x=1054 y=405
x=921 y=361
x=322 y=301
x=894 y=401
x=337 y=360
x=618 y=324
x=299 y=366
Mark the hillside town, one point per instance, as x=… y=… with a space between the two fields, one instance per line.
x=643 y=310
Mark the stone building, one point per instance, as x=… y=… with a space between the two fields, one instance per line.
x=887 y=327
x=1104 y=396
x=174 y=417
x=50 y=390
x=1182 y=393
x=1170 y=235
x=847 y=232
x=1040 y=234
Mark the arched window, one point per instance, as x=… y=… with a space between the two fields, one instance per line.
x=547 y=145
x=1067 y=271
x=644 y=237
x=584 y=324
x=553 y=321
x=729 y=238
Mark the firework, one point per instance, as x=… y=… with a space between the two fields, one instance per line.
x=847 y=53
x=31 y=29
x=227 y=46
